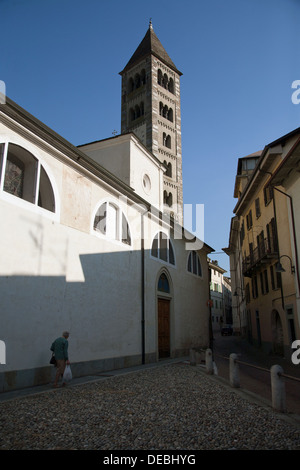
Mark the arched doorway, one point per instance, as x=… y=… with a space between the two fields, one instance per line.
x=164 y=315
x=277 y=333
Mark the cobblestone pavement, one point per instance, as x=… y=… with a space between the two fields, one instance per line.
x=257 y=379
x=168 y=407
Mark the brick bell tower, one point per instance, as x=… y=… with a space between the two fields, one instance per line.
x=151 y=109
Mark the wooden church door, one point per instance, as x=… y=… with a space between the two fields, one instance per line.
x=163 y=328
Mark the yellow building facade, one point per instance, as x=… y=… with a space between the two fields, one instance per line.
x=268 y=267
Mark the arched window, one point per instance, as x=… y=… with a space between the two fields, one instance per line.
x=165 y=81
x=168 y=173
x=162 y=248
x=168 y=198
x=163 y=284
x=161 y=108
x=23 y=176
x=130 y=85
x=46 y=196
x=194 y=264
x=166 y=112
x=168 y=141
x=137 y=81
x=141 y=109
x=131 y=114
x=111 y=222
x=143 y=77
x=137 y=111
x=159 y=77
x=171 y=85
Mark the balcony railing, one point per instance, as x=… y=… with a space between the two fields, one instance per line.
x=266 y=250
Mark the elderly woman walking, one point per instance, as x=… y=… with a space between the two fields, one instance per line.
x=60 y=349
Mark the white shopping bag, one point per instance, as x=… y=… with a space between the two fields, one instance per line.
x=67 y=377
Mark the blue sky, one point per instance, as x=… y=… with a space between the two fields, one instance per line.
x=60 y=60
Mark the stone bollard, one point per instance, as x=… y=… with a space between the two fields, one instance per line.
x=278 y=389
x=234 y=373
x=209 y=362
x=192 y=357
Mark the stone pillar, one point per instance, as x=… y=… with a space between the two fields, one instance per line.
x=234 y=373
x=209 y=362
x=192 y=357
x=278 y=389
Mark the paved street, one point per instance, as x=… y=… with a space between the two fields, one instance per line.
x=167 y=407
x=253 y=379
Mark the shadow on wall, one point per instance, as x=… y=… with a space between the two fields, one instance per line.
x=105 y=316
x=98 y=312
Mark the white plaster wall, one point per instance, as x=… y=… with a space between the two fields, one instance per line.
x=189 y=313
x=55 y=278
x=190 y=300
x=129 y=161
x=140 y=166
x=112 y=154
x=56 y=274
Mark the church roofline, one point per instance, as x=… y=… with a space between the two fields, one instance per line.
x=18 y=114
x=15 y=112
x=126 y=134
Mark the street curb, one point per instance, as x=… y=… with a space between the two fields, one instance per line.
x=291 y=418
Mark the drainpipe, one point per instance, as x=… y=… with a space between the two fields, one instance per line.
x=277 y=238
x=294 y=233
x=143 y=283
x=143 y=286
x=210 y=329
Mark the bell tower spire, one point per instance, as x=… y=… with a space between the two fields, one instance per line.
x=151 y=109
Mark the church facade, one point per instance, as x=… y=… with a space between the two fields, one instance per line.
x=89 y=245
